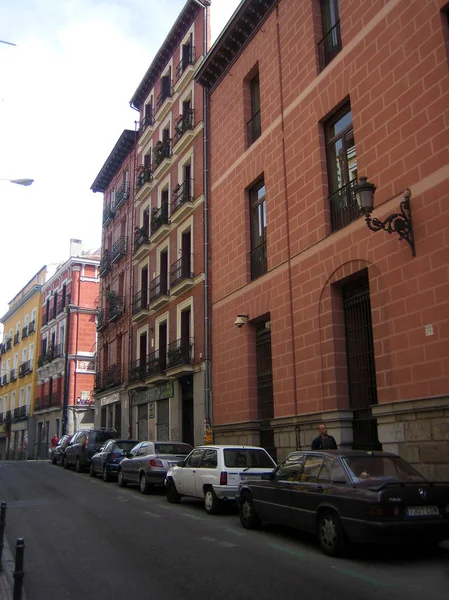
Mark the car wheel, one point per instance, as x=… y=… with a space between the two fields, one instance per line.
x=106 y=474
x=78 y=467
x=91 y=471
x=171 y=493
x=65 y=463
x=144 y=485
x=249 y=519
x=211 y=502
x=330 y=533
x=120 y=479
x=53 y=460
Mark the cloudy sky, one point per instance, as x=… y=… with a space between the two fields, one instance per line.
x=64 y=101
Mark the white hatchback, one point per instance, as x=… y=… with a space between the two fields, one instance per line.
x=214 y=473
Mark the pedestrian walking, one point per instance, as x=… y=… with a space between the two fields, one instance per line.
x=324 y=441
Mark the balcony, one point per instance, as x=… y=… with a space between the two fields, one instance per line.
x=159 y=294
x=183 y=125
x=48 y=401
x=13 y=375
x=164 y=99
x=113 y=376
x=45 y=319
x=53 y=353
x=152 y=367
x=188 y=59
x=160 y=225
x=253 y=128
x=5 y=379
x=100 y=383
x=259 y=261
x=146 y=126
x=180 y=357
x=108 y=213
x=182 y=201
x=17 y=338
x=121 y=195
x=181 y=275
x=24 y=332
x=105 y=263
x=140 y=306
x=101 y=319
x=119 y=248
x=2 y=348
x=8 y=343
x=343 y=206
x=329 y=46
x=141 y=242
x=25 y=368
x=8 y=416
x=116 y=307
x=21 y=412
x=161 y=152
x=61 y=306
x=144 y=179
x=31 y=327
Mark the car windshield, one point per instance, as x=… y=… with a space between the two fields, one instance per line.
x=101 y=436
x=123 y=446
x=183 y=449
x=247 y=457
x=376 y=468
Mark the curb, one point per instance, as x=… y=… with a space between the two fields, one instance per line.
x=6 y=575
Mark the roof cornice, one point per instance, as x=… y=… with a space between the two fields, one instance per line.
x=115 y=160
x=31 y=292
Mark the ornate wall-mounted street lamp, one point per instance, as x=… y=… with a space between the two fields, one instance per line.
x=400 y=223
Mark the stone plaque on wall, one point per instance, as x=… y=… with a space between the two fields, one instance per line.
x=157 y=392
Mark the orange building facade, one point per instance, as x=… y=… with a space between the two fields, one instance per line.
x=334 y=321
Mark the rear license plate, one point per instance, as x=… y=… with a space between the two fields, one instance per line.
x=245 y=477
x=421 y=511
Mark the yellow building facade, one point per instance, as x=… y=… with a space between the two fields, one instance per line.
x=18 y=369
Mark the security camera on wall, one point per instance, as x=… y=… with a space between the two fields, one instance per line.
x=241 y=320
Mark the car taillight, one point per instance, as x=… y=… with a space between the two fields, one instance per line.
x=223 y=478
x=385 y=510
x=115 y=455
x=155 y=462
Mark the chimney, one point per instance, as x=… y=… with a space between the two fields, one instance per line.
x=75 y=247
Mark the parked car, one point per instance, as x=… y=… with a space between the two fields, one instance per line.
x=83 y=445
x=346 y=496
x=148 y=462
x=213 y=473
x=58 y=452
x=106 y=461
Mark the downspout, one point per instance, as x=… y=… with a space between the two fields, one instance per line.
x=207 y=324
x=66 y=370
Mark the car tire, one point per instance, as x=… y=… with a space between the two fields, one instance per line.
x=330 y=533
x=91 y=471
x=171 y=493
x=53 y=460
x=78 y=467
x=211 y=502
x=120 y=479
x=65 y=463
x=106 y=477
x=249 y=519
x=145 y=487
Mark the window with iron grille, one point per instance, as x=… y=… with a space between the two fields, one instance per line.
x=253 y=125
x=258 y=224
x=341 y=168
x=330 y=45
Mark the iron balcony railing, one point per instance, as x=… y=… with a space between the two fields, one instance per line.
x=166 y=92
x=181 y=269
x=8 y=343
x=105 y=263
x=141 y=236
x=144 y=175
x=61 y=306
x=45 y=319
x=122 y=194
x=8 y=416
x=13 y=375
x=343 y=206
x=140 y=301
x=137 y=370
x=329 y=46
x=2 y=348
x=148 y=366
x=17 y=338
x=183 y=124
x=99 y=381
x=108 y=213
x=119 y=248
x=5 y=379
x=259 y=261
x=21 y=412
x=24 y=332
x=31 y=327
x=188 y=58
x=182 y=194
x=253 y=128
x=101 y=319
x=161 y=151
x=25 y=368
x=2 y=418
x=159 y=217
x=113 y=375
x=116 y=308
x=147 y=121
x=48 y=401
x=179 y=352
x=50 y=355
x=158 y=287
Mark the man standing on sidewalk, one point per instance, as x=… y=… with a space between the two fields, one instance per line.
x=324 y=441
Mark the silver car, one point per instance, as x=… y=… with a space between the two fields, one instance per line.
x=148 y=462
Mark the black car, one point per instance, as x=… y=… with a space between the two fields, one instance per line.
x=106 y=461
x=58 y=452
x=346 y=496
x=83 y=445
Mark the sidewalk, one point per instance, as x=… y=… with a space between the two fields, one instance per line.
x=6 y=575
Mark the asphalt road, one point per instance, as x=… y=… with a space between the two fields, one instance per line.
x=93 y=540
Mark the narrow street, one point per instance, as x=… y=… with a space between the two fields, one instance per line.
x=88 y=539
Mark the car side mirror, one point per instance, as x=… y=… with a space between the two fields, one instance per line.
x=180 y=463
x=128 y=455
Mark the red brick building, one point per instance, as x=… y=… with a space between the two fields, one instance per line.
x=66 y=362
x=116 y=181
x=337 y=322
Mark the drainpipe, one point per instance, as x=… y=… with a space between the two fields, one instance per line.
x=207 y=324
x=65 y=401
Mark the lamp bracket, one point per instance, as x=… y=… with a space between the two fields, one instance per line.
x=400 y=223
